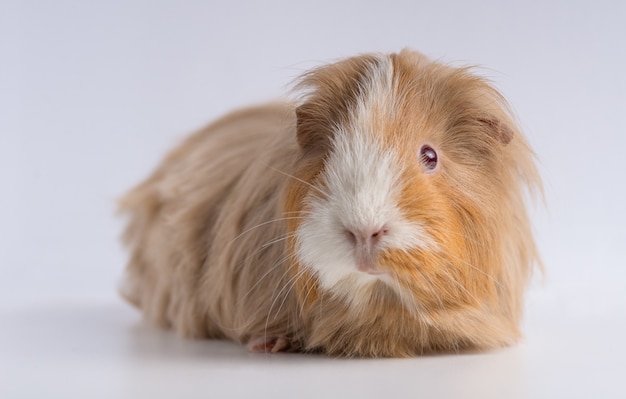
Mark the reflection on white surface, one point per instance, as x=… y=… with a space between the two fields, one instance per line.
x=103 y=349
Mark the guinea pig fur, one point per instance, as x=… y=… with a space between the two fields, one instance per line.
x=381 y=215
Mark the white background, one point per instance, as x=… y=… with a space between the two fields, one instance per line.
x=93 y=93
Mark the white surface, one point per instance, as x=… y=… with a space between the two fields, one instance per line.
x=93 y=93
x=100 y=349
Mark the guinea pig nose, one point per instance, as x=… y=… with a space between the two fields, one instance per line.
x=366 y=237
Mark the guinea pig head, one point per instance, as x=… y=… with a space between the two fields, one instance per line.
x=411 y=179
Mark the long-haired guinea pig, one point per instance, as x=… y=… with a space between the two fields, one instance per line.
x=381 y=214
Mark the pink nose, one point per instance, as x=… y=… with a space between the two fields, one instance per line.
x=365 y=242
x=367 y=238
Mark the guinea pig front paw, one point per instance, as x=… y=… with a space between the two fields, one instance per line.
x=269 y=344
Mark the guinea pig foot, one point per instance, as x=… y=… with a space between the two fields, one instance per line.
x=268 y=344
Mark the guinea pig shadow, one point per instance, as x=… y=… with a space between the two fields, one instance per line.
x=73 y=331
x=145 y=341
x=149 y=342
x=157 y=345
x=468 y=369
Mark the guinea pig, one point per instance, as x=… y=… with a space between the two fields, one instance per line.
x=379 y=214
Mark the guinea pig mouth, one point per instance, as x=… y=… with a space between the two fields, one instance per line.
x=373 y=272
x=366 y=264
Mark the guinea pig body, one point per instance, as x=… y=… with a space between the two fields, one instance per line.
x=381 y=215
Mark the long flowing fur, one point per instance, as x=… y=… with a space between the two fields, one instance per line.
x=213 y=231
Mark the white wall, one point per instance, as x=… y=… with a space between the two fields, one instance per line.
x=93 y=93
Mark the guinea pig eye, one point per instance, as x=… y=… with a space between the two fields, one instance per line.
x=428 y=158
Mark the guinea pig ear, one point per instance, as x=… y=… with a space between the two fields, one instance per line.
x=312 y=133
x=497 y=129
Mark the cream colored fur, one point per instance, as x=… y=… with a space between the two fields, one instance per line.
x=206 y=230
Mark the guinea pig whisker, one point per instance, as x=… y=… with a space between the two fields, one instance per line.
x=283 y=286
x=306 y=296
x=461 y=260
x=267 y=273
x=402 y=301
x=276 y=241
x=289 y=284
x=324 y=193
x=266 y=245
x=299 y=212
x=280 y=282
x=263 y=246
x=292 y=285
x=260 y=225
x=466 y=263
x=464 y=236
x=457 y=283
x=433 y=289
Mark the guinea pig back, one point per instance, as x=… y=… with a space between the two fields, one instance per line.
x=381 y=214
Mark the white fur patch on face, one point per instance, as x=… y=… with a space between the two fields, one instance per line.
x=361 y=194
